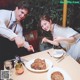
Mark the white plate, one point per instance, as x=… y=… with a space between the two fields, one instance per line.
x=48 y=63
x=58 y=53
x=64 y=73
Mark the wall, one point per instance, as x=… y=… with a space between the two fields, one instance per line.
x=7 y=4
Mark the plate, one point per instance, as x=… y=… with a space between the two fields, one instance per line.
x=64 y=73
x=48 y=63
x=58 y=53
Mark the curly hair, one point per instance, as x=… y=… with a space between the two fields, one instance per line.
x=23 y=4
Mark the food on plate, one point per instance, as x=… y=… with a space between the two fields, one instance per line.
x=38 y=64
x=57 y=76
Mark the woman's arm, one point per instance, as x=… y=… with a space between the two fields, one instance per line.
x=50 y=41
x=59 y=39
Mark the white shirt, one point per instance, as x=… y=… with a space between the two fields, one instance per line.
x=63 y=32
x=66 y=32
x=4 y=27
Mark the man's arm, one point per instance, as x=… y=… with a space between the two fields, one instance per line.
x=5 y=32
x=26 y=44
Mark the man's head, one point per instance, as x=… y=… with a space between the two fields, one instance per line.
x=22 y=10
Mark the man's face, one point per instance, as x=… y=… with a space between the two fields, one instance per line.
x=20 y=14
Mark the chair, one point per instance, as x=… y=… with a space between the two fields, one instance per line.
x=32 y=38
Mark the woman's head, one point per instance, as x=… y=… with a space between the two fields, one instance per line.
x=46 y=22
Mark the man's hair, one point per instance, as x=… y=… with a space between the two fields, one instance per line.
x=23 y=4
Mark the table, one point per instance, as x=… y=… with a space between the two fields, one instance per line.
x=68 y=64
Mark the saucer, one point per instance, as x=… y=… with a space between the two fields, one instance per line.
x=58 y=53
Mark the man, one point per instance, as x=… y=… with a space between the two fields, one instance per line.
x=11 y=39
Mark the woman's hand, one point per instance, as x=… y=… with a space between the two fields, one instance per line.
x=53 y=42
x=56 y=43
x=44 y=40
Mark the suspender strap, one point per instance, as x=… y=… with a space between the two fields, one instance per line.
x=10 y=19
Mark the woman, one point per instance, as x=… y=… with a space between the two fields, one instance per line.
x=66 y=37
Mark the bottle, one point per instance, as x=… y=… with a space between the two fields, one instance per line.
x=18 y=66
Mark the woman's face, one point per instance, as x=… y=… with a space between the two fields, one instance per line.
x=45 y=25
x=21 y=14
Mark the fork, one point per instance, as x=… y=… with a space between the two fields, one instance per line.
x=60 y=59
x=49 y=54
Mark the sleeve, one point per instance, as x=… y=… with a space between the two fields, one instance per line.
x=5 y=32
x=63 y=32
x=20 y=33
x=26 y=45
x=70 y=32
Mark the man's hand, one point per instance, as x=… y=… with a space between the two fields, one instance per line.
x=30 y=48
x=19 y=41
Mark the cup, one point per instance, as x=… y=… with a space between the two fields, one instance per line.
x=8 y=65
